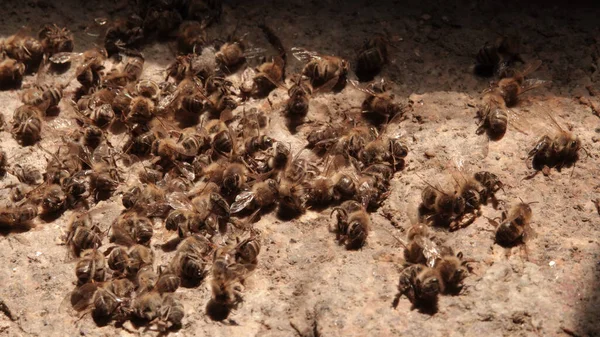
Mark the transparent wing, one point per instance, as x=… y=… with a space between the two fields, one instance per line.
x=358 y=87
x=63 y=57
x=304 y=55
x=186 y=169
x=242 y=200
x=254 y=52
x=79 y=299
x=518 y=121
x=430 y=250
x=532 y=83
x=167 y=100
x=531 y=67
x=178 y=200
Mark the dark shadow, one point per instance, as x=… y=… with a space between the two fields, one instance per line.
x=5 y=229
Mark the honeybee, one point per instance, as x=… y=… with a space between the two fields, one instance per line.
x=193 y=142
x=269 y=75
x=161 y=21
x=262 y=195
x=421 y=285
x=17 y=215
x=147 y=306
x=379 y=100
x=558 y=151
x=27 y=124
x=492 y=58
x=141 y=145
x=91 y=267
x=222 y=139
x=514 y=226
x=129 y=229
x=319 y=139
x=88 y=72
x=491 y=184
x=231 y=54
x=124 y=33
x=106 y=300
x=258 y=143
x=53 y=199
x=445 y=207
x=352 y=142
x=138 y=256
x=372 y=56
x=191 y=37
x=226 y=281
x=353 y=224
x=325 y=72
x=210 y=208
x=189 y=260
x=384 y=150
x=452 y=271
x=420 y=247
x=510 y=88
x=11 y=72
x=298 y=103
x=234 y=177
x=23 y=48
x=141 y=110
x=247 y=250
x=117 y=259
x=82 y=233
x=329 y=187
x=148 y=88
x=55 y=39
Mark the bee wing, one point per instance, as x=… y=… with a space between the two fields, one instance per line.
x=64 y=57
x=304 y=55
x=254 y=52
x=79 y=299
x=97 y=28
x=531 y=67
x=167 y=100
x=178 y=200
x=242 y=201
x=430 y=250
x=185 y=168
x=358 y=87
x=518 y=121
x=532 y=83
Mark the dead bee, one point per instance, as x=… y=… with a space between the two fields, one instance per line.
x=262 y=194
x=510 y=88
x=23 y=48
x=226 y=281
x=444 y=207
x=141 y=145
x=234 y=177
x=421 y=285
x=88 y=72
x=325 y=72
x=268 y=76
x=514 y=225
x=246 y=252
x=129 y=229
x=231 y=54
x=147 y=306
x=298 y=103
x=106 y=300
x=145 y=279
x=141 y=110
x=353 y=224
x=191 y=37
x=27 y=124
x=163 y=22
x=222 y=139
x=14 y=216
x=11 y=72
x=351 y=143
x=491 y=184
x=91 y=267
x=53 y=199
x=117 y=259
x=55 y=39
x=189 y=260
x=138 y=257
x=319 y=139
x=558 y=151
x=493 y=58
x=258 y=143
x=82 y=234
x=379 y=100
x=382 y=150
x=124 y=33
x=420 y=247
x=493 y=115
x=148 y=88
x=372 y=56
x=452 y=271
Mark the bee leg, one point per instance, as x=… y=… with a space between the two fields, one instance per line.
x=546 y=170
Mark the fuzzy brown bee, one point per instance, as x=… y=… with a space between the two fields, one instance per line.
x=372 y=56
x=55 y=39
x=23 y=48
x=325 y=72
x=11 y=72
x=353 y=224
x=514 y=225
x=191 y=37
x=421 y=285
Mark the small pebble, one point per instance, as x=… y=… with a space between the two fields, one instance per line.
x=552 y=263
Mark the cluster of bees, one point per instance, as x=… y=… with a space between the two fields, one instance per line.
x=207 y=169
x=204 y=159
x=432 y=268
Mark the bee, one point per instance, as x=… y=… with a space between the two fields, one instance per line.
x=558 y=151
x=492 y=58
x=319 y=139
x=372 y=56
x=107 y=300
x=189 y=260
x=262 y=195
x=193 y=142
x=191 y=37
x=82 y=233
x=491 y=184
x=138 y=256
x=258 y=143
x=246 y=252
x=130 y=229
x=104 y=175
x=421 y=285
x=208 y=210
x=141 y=110
x=53 y=199
x=146 y=279
x=231 y=54
x=329 y=187
x=147 y=306
x=23 y=48
x=420 y=247
x=353 y=141
x=325 y=72
x=298 y=103
x=141 y=145
x=353 y=224
x=234 y=177
x=268 y=76
x=27 y=124
x=452 y=271
x=514 y=226
x=124 y=33
x=148 y=89
x=134 y=66
x=11 y=72
x=88 y=71
x=510 y=88
x=17 y=215
x=117 y=259
x=226 y=281
x=384 y=150
x=222 y=140
x=91 y=267
x=445 y=207
x=55 y=39
x=379 y=100
x=172 y=313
